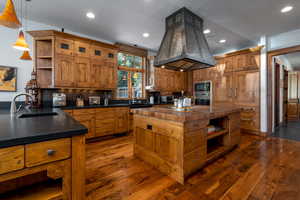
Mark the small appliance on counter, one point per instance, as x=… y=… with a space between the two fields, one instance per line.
x=167 y=99
x=154 y=98
x=94 y=100
x=59 y=99
x=79 y=101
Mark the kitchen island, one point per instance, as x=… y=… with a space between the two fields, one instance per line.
x=42 y=155
x=179 y=143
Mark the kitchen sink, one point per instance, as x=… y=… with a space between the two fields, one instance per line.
x=41 y=114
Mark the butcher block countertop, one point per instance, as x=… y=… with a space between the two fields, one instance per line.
x=196 y=112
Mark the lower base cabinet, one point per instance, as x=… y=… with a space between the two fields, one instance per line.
x=44 y=170
x=102 y=121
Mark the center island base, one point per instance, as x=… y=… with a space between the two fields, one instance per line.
x=178 y=143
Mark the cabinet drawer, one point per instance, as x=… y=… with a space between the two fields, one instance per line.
x=250 y=119
x=83 y=111
x=11 y=159
x=105 y=127
x=103 y=114
x=45 y=152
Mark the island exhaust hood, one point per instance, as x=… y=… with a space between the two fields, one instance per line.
x=184 y=46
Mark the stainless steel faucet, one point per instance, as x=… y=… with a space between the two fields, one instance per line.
x=13 y=107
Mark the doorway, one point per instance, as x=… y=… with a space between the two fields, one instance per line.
x=286 y=95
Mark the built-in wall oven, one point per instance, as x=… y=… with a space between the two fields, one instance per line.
x=203 y=93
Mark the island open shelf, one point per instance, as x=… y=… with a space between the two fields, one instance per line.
x=178 y=143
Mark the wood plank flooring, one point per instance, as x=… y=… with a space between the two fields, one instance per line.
x=259 y=169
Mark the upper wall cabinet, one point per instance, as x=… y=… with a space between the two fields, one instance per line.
x=68 y=61
x=64 y=46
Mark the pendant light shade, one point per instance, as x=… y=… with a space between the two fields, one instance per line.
x=21 y=43
x=9 y=17
x=26 y=56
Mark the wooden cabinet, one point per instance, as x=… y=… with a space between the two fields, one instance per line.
x=86 y=117
x=253 y=61
x=169 y=80
x=236 y=80
x=292 y=110
x=45 y=152
x=64 y=46
x=82 y=72
x=228 y=64
x=122 y=120
x=12 y=158
x=24 y=167
x=246 y=88
x=102 y=121
x=250 y=120
x=64 y=71
x=77 y=62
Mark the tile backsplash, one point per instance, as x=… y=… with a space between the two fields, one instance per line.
x=72 y=94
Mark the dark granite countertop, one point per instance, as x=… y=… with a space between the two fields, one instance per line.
x=108 y=106
x=19 y=131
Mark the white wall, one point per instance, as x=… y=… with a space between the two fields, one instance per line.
x=10 y=57
x=263 y=86
x=283 y=40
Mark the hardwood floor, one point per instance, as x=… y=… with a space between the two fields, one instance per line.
x=260 y=169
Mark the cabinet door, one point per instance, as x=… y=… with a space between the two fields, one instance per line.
x=96 y=74
x=239 y=62
x=109 y=70
x=246 y=88
x=228 y=64
x=89 y=122
x=64 y=71
x=250 y=119
x=82 y=72
x=122 y=120
x=64 y=46
x=292 y=111
x=82 y=49
x=157 y=78
x=253 y=61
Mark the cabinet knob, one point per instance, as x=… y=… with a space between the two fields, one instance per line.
x=50 y=152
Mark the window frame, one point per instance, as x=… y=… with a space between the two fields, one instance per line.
x=131 y=71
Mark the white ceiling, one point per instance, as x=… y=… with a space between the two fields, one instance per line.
x=291 y=61
x=240 y=22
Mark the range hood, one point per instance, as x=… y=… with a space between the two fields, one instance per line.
x=184 y=46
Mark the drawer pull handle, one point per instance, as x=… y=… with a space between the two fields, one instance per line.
x=149 y=127
x=50 y=152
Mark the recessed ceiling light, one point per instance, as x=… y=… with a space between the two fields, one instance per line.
x=90 y=15
x=287 y=9
x=222 y=41
x=145 y=35
x=206 y=31
x=181 y=70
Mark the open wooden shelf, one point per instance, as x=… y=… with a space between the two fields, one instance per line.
x=216 y=134
x=45 y=191
x=45 y=67
x=44 y=57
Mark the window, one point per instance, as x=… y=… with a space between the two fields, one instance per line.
x=130 y=76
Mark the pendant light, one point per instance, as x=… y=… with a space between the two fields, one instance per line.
x=21 y=43
x=26 y=56
x=9 y=17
